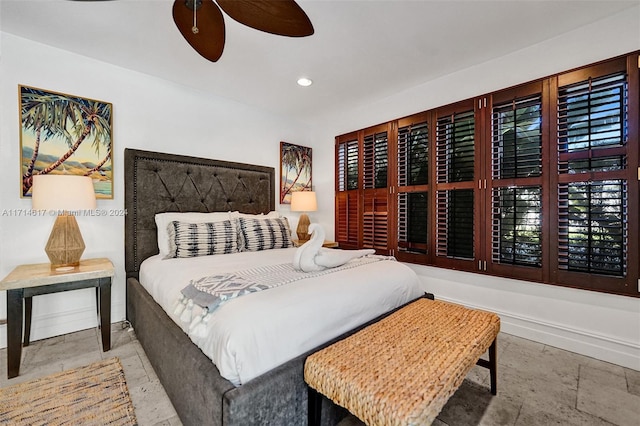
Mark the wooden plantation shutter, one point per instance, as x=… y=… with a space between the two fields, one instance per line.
x=375 y=161
x=347 y=218
x=592 y=227
x=593 y=178
x=539 y=182
x=375 y=155
x=515 y=205
x=455 y=183
x=412 y=195
x=347 y=165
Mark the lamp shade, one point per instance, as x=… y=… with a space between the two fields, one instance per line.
x=62 y=192
x=303 y=201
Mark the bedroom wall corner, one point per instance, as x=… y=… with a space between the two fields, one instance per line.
x=148 y=113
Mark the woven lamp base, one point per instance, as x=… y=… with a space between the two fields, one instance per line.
x=303 y=228
x=65 y=245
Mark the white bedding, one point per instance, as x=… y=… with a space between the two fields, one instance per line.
x=252 y=334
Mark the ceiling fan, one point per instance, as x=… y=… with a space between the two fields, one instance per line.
x=201 y=22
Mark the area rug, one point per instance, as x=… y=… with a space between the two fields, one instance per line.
x=96 y=394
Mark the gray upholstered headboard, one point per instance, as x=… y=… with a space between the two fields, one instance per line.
x=157 y=182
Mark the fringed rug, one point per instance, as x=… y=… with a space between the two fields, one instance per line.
x=96 y=394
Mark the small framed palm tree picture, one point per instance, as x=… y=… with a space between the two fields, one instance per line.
x=65 y=134
x=295 y=170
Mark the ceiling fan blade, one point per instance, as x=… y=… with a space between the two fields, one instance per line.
x=281 y=17
x=208 y=40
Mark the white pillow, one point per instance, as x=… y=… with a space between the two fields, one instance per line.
x=164 y=219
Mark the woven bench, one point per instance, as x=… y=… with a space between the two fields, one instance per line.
x=403 y=369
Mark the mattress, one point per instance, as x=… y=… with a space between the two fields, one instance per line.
x=257 y=332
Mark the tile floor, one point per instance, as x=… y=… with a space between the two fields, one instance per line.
x=537 y=384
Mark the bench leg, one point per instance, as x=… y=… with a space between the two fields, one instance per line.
x=315 y=407
x=493 y=367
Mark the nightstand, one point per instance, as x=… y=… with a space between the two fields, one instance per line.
x=26 y=281
x=327 y=243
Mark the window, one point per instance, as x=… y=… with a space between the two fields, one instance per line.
x=595 y=172
x=592 y=227
x=455 y=179
x=536 y=182
x=375 y=160
x=412 y=198
x=348 y=165
x=346 y=205
x=516 y=183
x=375 y=197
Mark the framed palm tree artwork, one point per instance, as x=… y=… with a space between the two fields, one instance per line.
x=65 y=134
x=295 y=171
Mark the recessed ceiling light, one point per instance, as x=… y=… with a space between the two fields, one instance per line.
x=304 y=82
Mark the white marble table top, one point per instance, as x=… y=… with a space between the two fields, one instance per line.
x=38 y=274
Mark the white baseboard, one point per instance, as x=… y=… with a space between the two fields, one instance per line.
x=584 y=342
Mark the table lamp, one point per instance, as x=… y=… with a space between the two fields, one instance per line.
x=63 y=194
x=303 y=201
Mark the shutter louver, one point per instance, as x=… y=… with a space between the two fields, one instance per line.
x=454 y=224
x=375 y=161
x=455 y=148
x=517 y=139
x=591 y=130
x=348 y=166
x=375 y=223
x=592 y=233
x=347 y=218
x=517 y=226
x=412 y=222
x=413 y=149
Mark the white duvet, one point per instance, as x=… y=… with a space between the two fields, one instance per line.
x=254 y=333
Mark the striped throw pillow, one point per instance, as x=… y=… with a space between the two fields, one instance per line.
x=202 y=239
x=265 y=234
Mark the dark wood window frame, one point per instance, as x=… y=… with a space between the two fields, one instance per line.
x=533 y=199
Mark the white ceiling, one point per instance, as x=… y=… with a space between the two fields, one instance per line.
x=361 y=50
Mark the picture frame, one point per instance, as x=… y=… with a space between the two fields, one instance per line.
x=295 y=170
x=65 y=134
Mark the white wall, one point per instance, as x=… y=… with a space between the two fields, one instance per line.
x=595 y=324
x=148 y=113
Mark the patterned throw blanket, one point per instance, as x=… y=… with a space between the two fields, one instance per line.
x=212 y=291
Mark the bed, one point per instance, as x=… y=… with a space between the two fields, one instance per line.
x=157 y=183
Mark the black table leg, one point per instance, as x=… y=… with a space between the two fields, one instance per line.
x=98 y=303
x=105 y=312
x=28 y=304
x=14 y=331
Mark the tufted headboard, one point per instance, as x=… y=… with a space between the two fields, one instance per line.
x=157 y=182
